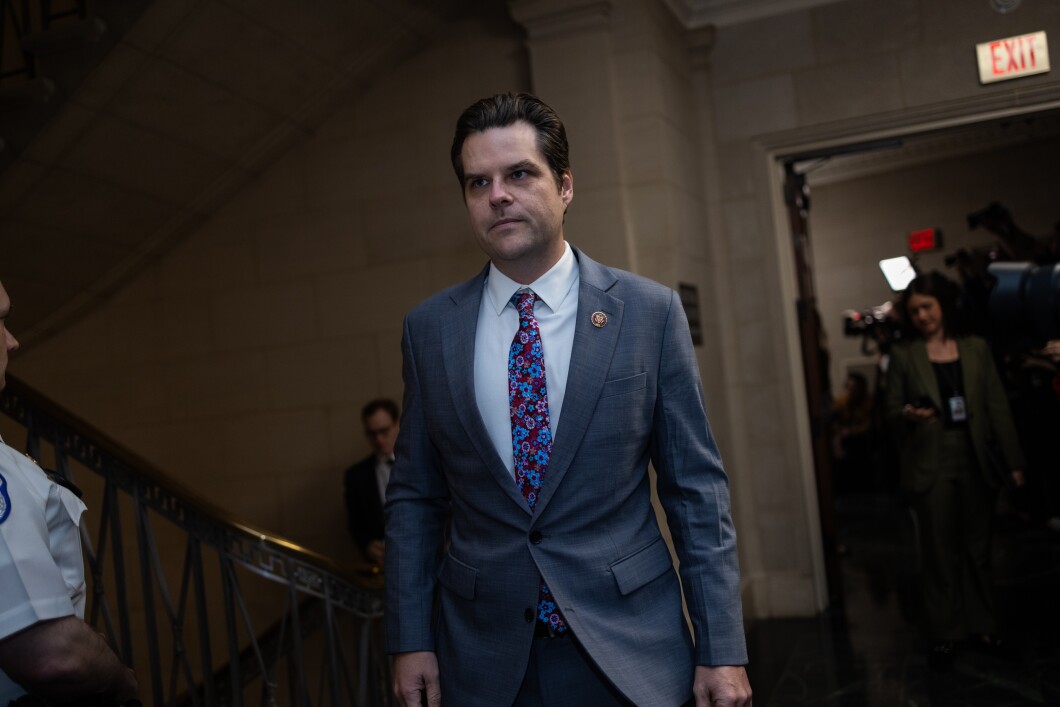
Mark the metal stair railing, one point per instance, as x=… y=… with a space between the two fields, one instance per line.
x=47 y=49
x=19 y=20
x=190 y=584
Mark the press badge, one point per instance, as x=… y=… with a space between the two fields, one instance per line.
x=958 y=412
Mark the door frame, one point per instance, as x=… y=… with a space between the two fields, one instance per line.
x=771 y=152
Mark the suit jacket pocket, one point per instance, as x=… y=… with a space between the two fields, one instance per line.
x=624 y=385
x=634 y=571
x=457 y=577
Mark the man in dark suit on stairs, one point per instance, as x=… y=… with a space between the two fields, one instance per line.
x=365 y=482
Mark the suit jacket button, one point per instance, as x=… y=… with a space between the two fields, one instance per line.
x=535 y=537
x=528 y=615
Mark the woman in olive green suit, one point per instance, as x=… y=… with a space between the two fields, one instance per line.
x=946 y=404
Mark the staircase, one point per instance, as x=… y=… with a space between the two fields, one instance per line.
x=206 y=609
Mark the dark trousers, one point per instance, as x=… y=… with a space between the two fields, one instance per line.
x=955 y=517
x=561 y=674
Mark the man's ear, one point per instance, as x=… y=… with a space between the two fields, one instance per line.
x=566 y=187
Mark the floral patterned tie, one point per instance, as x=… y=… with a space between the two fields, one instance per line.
x=531 y=428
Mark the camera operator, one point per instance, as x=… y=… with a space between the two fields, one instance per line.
x=852 y=435
x=1037 y=410
x=879 y=329
x=1025 y=313
x=48 y=654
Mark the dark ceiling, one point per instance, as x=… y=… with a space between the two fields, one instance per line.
x=144 y=118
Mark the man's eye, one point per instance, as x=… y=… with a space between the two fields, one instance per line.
x=520 y=174
x=480 y=182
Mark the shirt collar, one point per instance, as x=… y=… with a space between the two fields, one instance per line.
x=552 y=287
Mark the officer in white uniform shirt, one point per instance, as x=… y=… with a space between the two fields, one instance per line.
x=46 y=649
x=41 y=572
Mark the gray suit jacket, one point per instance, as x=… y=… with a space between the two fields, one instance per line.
x=464 y=551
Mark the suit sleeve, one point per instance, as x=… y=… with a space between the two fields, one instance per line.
x=417 y=508
x=694 y=492
x=896 y=394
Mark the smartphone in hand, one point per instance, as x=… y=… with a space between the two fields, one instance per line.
x=923 y=401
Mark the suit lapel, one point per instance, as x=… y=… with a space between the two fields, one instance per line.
x=589 y=364
x=458 y=357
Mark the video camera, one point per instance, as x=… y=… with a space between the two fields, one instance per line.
x=1025 y=301
x=1007 y=292
x=877 y=325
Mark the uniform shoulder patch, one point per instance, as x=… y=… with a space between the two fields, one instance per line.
x=5 y=500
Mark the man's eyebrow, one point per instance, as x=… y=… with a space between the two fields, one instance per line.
x=471 y=176
x=524 y=165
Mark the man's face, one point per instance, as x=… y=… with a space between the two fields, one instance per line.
x=382 y=432
x=8 y=342
x=514 y=204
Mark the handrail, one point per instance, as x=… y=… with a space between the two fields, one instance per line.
x=127 y=487
x=21 y=16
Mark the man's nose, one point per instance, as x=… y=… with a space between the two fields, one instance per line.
x=499 y=194
x=12 y=342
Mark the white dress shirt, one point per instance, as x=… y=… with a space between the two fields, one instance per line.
x=382 y=474
x=42 y=575
x=498 y=321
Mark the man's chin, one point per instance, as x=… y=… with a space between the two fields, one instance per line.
x=508 y=248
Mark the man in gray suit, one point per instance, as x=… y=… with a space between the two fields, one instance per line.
x=524 y=562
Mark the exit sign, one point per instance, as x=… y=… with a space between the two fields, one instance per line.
x=1013 y=57
x=924 y=240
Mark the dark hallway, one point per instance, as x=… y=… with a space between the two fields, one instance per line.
x=870 y=651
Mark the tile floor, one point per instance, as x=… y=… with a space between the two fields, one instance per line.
x=868 y=650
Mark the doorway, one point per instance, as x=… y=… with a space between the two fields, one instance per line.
x=851 y=205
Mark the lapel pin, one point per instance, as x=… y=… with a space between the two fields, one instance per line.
x=599 y=319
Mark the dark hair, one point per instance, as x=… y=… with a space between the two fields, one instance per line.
x=861 y=385
x=934 y=284
x=373 y=406
x=504 y=109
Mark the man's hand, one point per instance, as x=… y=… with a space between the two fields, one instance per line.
x=127 y=687
x=416 y=679
x=375 y=551
x=721 y=686
x=919 y=414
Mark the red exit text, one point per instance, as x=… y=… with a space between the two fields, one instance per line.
x=1013 y=57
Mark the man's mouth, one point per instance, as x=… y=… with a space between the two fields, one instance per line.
x=503 y=222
